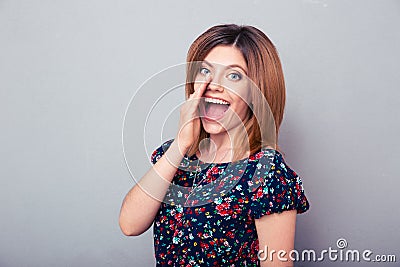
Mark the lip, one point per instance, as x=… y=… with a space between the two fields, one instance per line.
x=204 y=116
x=218 y=98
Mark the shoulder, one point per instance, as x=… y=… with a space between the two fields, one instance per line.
x=275 y=186
x=159 y=151
x=270 y=163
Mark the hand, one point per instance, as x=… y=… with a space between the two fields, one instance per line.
x=189 y=123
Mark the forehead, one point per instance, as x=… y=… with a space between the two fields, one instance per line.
x=226 y=55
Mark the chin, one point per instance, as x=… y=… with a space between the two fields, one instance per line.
x=213 y=127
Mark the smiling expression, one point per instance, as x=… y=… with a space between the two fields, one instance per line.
x=223 y=105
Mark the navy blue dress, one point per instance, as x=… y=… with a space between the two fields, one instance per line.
x=211 y=222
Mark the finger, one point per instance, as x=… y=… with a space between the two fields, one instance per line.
x=200 y=90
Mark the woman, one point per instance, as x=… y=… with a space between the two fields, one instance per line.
x=220 y=193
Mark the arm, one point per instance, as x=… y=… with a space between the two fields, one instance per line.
x=142 y=202
x=276 y=232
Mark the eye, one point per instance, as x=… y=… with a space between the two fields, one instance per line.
x=234 y=76
x=204 y=71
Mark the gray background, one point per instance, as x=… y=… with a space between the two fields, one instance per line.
x=69 y=68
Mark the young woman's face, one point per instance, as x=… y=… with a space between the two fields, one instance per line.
x=224 y=105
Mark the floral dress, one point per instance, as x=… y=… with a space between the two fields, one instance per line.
x=208 y=214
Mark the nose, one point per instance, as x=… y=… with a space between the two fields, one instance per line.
x=215 y=84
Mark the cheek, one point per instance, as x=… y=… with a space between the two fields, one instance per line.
x=241 y=98
x=240 y=107
x=241 y=94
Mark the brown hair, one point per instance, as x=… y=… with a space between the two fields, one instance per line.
x=264 y=69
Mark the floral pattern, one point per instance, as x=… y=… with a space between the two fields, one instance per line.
x=217 y=228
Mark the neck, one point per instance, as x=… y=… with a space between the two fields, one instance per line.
x=220 y=147
x=220 y=141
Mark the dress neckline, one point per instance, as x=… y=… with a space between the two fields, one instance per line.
x=194 y=157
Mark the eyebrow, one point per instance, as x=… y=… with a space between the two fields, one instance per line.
x=228 y=66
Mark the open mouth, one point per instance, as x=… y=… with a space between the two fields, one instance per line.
x=213 y=108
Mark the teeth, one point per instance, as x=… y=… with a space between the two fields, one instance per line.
x=216 y=101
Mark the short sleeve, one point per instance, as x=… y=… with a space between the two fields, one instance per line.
x=281 y=189
x=158 y=152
